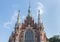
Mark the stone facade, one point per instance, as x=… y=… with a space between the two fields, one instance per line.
x=29 y=31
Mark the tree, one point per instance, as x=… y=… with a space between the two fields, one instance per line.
x=55 y=38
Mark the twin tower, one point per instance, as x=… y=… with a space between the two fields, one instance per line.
x=29 y=31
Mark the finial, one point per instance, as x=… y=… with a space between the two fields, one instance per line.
x=38 y=11
x=39 y=14
x=38 y=17
x=18 y=19
x=29 y=12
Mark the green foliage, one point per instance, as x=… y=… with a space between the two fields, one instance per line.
x=54 y=39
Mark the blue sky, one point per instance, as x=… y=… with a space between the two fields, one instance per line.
x=50 y=15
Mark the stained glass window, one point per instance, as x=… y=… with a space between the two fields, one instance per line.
x=29 y=36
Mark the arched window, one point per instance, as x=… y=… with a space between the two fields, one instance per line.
x=29 y=36
x=16 y=39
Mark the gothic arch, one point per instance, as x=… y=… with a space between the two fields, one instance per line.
x=29 y=36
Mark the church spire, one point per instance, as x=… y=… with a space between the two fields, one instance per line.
x=38 y=17
x=29 y=11
x=18 y=18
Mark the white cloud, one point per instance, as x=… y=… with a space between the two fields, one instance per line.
x=40 y=7
x=13 y=20
x=8 y=24
x=22 y=19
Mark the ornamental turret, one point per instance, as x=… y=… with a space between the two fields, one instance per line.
x=18 y=19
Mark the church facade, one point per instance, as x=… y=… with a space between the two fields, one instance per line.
x=29 y=31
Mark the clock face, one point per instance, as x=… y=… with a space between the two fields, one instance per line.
x=29 y=36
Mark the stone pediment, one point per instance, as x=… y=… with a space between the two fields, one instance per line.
x=29 y=22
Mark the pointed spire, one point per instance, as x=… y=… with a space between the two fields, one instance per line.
x=29 y=11
x=18 y=18
x=38 y=17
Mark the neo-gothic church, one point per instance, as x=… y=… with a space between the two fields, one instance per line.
x=29 y=31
